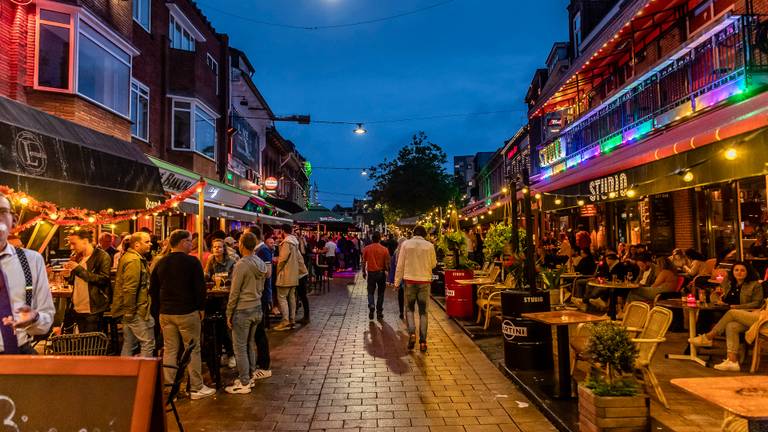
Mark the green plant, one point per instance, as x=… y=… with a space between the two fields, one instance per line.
x=551 y=277
x=498 y=236
x=455 y=240
x=612 y=350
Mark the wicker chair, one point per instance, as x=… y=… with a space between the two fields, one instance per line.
x=489 y=298
x=79 y=344
x=484 y=270
x=653 y=334
x=635 y=317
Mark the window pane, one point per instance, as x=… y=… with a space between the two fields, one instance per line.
x=53 y=61
x=102 y=77
x=181 y=104
x=139 y=112
x=176 y=36
x=141 y=12
x=48 y=15
x=106 y=43
x=205 y=134
x=181 y=130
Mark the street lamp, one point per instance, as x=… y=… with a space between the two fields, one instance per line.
x=360 y=130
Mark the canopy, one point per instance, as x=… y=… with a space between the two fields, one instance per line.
x=71 y=165
x=322 y=216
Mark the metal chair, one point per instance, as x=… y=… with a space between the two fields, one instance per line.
x=489 y=298
x=175 y=386
x=79 y=344
x=653 y=334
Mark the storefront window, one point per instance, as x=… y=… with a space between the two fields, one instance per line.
x=718 y=221
x=754 y=214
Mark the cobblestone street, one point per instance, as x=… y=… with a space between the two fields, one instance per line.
x=344 y=372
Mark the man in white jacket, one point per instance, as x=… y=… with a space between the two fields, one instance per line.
x=415 y=262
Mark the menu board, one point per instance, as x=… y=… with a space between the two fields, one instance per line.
x=644 y=209
x=662 y=223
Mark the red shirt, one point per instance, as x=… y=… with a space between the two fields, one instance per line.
x=377 y=257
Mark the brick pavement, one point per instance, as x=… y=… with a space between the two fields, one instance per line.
x=343 y=372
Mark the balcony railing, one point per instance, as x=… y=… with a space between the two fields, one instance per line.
x=715 y=67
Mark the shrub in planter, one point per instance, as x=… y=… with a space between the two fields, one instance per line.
x=610 y=400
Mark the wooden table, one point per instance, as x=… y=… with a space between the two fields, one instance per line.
x=611 y=286
x=745 y=396
x=61 y=293
x=560 y=320
x=477 y=281
x=693 y=316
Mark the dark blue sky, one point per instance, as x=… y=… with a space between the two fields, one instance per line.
x=466 y=56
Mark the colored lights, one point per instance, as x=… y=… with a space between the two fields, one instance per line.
x=610 y=144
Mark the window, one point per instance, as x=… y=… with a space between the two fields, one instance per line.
x=180 y=37
x=139 y=110
x=104 y=71
x=54 y=53
x=194 y=128
x=577 y=33
x=141 y=12
x=214 y=68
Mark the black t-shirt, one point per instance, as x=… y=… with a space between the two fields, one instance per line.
x=177 y=284
x=733 y=297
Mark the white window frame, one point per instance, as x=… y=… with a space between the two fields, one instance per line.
x=148 y=27
x=178 y=16
x=140 y=86
x=72 y=12
x=193 y=105
x=214 y=65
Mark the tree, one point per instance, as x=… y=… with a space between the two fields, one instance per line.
x=415 y=182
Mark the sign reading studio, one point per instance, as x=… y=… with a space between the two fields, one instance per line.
x=604 y=188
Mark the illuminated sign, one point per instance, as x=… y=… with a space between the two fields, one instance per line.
x=270 y=183
x=608 y=187
x=552 y=153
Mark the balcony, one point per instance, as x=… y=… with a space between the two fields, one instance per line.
x=722 y=65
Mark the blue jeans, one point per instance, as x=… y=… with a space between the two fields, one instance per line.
x=417 y=293
x=376 y=280
x=244 y=323
x=138 y=331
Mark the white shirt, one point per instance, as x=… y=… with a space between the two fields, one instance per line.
x=42 y=301
x=415 y=261
x=80 y=297
x=331 y=246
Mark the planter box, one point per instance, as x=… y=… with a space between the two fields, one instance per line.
x=613 y=413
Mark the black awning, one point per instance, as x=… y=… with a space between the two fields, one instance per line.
x=56 y=160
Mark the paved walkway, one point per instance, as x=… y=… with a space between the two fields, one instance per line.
x=343 y=372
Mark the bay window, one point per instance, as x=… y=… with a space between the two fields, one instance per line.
x=139 y=110
x=194 y=128
x=104 y=71
x=54 y=55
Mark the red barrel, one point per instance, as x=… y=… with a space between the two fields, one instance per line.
x=458 y=298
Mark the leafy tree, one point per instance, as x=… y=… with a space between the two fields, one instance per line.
x=413 y=183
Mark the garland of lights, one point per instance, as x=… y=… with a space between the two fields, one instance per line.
x=48 y=211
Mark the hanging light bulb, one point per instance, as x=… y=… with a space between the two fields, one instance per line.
x=558 y=201
x=133 y=217
x=537 y=196
x=612 y=195
x=580 y=202
x=53 y=216
x=525 y=190
x=360 y=130
x=504 y=190
x=688 y=177
x=24 y=201
x=731 y=153
x=631 y=193
x=91 y=219
x=363 y=172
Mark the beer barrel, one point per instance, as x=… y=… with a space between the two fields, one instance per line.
x=527 y=343
x=458 y=298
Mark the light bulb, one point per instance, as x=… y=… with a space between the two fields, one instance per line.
x=688 y=177
x=612 y=195
x=525 y=190
x=558 y=201
x=631 y=193
x=24 y=201
x=91 y=219
x=731 y=153
x=537 y=196
x=580 y=202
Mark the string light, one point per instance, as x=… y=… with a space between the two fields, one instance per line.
x=24 y=201
x=537 y=196
x=688 y=177
x=631 y=193
x=580 y=202
x=731 y=154
x=558 y=201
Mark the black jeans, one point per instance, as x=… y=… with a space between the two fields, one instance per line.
x=401 y=299
x=301 y=293
x=376 y=280
x=262 y=343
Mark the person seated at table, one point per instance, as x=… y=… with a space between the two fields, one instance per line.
x=696 y=266
x=220 y=261
x=758 y=249
x=678 y=258
x=742 y=289
x=613 y=268
x=733 y=324
x=656 y=278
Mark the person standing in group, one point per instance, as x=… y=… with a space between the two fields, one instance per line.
x=220 y=261
x=415 y=263
x=105 y=243
x=583 y=238
x=262 y=342
x=178 y=284
x=329 y=249
x=131 y=299
x=375 y=266
x=26 y=305
x=244 y=312
x=301 y=289
x=90 y=278
x=290 y=268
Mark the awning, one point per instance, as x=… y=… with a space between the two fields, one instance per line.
x=215 y=210
x=176 y=179
x=322 y=216
x=285 y=205
x=71 y=165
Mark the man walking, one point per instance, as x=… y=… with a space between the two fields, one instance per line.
x=131 y=299
x=290 y=267
x=90 y=277
x=415 y=262
x=26 y=305
x=178 y=284
x=375 y=265
x=262 y=342
x=244 y=312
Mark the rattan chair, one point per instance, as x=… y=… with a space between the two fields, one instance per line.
x=79 y=344
x=635 y=317
x=489 y=298
x=647 y=342
x=484 y=270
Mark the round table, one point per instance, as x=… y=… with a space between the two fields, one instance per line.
x=611 y=286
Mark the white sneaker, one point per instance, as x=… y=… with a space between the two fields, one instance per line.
x=259 y=374
x=204 y=392
x=232 y=363
x=238 y=388
x=727 y=365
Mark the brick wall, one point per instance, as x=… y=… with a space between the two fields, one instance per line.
x=119 y=13
x=80 y=111
x=684 y=224
x=14 y=40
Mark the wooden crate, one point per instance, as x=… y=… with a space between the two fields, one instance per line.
x=613 y=413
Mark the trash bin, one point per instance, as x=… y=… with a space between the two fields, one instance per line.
x=527 y=343
x=458 y=298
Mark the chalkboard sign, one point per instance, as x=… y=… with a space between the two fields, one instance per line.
x=107 y=394
x=662 y=223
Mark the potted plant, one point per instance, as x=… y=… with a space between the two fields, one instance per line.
x=611 y=399
x=551 y=280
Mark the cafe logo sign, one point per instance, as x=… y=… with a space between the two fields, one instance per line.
x=148 y=203
x=30 y=153
x=533 y=299
x=601 y=189
x=175 y=183
x=511 y=331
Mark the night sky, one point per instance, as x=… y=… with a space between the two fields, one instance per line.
x=465 y=56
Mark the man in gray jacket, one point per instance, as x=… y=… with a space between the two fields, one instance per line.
x=290 y=268
x=244 y=311
x=131 y=298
